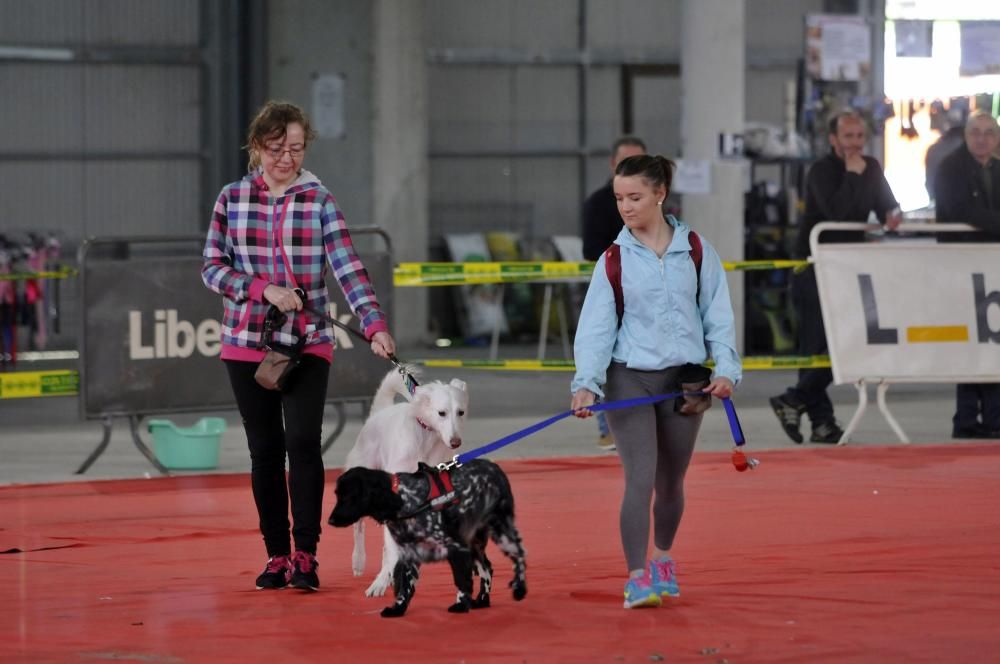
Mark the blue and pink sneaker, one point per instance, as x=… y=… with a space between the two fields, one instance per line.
x=663 y=572
x=639 y=592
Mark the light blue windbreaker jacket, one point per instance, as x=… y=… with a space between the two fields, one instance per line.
x=662 y=325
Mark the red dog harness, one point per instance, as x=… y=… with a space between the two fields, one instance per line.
x=440 y=494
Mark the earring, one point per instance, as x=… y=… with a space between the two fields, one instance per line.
x=659 y=202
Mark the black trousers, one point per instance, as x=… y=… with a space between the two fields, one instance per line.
x=975 y=400
x=810 y=391
x=279 y=424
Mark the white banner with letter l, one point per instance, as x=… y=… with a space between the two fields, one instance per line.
x=910 y=311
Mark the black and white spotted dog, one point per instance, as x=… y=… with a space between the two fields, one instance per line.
x=436 y=515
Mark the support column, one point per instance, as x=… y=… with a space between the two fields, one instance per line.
x=400 y=186
x=713 y=72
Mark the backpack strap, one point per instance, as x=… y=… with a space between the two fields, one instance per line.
x=695 y=254
x=613 y=268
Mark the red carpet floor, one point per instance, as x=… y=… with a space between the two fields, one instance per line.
x=856 y=554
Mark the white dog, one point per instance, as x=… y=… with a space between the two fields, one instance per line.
x=426 y=428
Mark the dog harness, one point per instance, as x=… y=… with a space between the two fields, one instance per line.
x=440 y=494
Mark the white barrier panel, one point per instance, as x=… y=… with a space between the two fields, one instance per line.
x=928 y=312
x=909 y=311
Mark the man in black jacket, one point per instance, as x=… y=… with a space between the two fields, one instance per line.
x=601 y=225
x=601 y=221
x=843 y=186
x=967 y=190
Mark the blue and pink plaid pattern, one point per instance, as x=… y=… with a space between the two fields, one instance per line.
x=255 y=239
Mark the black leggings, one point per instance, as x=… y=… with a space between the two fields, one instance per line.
x=277 y=423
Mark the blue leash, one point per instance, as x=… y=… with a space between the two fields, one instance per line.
x=734 y=425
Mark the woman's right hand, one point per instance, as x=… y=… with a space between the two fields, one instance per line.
x=582 y=400
x=285 y=299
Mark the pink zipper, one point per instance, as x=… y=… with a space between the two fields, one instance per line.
x=278 y=246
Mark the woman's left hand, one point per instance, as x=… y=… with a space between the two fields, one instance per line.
x=720 y=387
x=383 y=344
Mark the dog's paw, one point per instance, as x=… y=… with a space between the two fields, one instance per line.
x=377 y=588
x=459 y=607
x=519 y=589
x=394 y=611
x=358 y=564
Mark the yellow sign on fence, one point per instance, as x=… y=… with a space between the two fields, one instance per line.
x=22 y=384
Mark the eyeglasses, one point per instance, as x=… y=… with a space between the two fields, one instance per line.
x=295 y=151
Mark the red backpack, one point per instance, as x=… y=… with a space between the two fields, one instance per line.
x=613 y=267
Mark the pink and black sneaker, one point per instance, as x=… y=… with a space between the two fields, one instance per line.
x=276 y=573
x=304 y=575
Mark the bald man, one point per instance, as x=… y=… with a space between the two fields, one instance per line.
x=967 y=190
x=845 y=185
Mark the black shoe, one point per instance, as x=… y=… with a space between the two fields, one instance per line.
x=789 y=415
x=304 y=575
x=275 y=574
x=977 y=431
x=827 y=432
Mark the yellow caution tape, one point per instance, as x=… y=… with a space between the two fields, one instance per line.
x=22 y=384
x=456 y=274
x=64 y=273
x=749 y=363
x=451 y=274
x=734 y=266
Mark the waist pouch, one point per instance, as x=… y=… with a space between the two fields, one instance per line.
x=278 y=365
x=693 y=378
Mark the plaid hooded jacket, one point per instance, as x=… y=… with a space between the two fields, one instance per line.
x=255 y=239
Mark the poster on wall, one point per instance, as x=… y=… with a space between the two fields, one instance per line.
x=980 y=48
x=328 y=106
x=838 y=47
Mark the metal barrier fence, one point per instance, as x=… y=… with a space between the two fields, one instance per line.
x=150 y=335
x=150 y=332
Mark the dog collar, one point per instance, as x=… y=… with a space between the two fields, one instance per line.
x=421 y=423
x=395 y=483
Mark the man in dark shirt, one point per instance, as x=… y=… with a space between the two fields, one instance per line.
x=843 y=186
x=601 y=221
x=601 y=225
x=967 y=190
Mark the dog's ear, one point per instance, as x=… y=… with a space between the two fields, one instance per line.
x=423 y=467
x=458 y=384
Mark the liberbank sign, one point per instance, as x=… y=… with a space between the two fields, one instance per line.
x=151 y=336
x=911 y=311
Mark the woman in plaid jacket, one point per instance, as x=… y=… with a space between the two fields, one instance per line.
x=273 y=232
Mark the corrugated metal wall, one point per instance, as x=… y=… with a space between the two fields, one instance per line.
x=119 y=118
x=526 y=97
x=101 y=127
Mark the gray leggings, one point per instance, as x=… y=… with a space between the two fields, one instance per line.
x=655 y=445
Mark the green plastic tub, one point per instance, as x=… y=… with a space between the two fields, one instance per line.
x=191 y=448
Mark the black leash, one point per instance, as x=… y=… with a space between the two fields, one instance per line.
x=408 y=379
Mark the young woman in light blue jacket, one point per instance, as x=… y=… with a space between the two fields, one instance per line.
x=677 y=314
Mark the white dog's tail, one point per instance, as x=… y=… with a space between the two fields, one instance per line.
x=391 y=385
